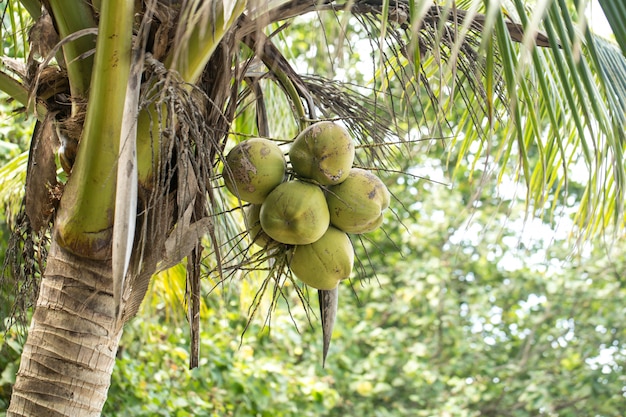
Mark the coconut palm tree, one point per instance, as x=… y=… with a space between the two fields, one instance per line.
x=137 y=101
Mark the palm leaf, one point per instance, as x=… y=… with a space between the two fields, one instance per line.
x=615 y=12
x=538 y=121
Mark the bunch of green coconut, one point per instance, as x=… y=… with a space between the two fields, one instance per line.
x=310 y=208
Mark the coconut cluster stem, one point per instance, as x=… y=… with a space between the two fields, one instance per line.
x=293 y=95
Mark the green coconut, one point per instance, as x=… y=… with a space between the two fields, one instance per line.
x=295 y=213
x=325 y=262
x=357 y=204
x=255 y=231
x=323 y=152
x=253 y=168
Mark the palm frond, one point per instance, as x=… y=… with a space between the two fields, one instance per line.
x=535 y=114
x=615 y=12
x=14 y=29
x=612 y=66
x=554 y=115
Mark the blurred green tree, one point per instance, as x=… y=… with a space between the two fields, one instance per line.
x=467 y=319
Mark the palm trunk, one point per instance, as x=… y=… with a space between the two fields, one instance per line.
x=70 y=351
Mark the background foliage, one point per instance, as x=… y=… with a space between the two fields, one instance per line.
x=15 y=132
x=462 y=306
x=466 y=319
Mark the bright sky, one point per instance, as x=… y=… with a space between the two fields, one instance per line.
x=598 y=23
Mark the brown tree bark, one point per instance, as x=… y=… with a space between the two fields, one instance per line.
x=72 y=341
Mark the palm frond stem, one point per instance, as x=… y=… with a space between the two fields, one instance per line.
x=70 y=17
x=84 y=223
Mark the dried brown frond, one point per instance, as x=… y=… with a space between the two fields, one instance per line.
x=181 y=204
